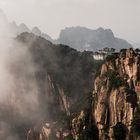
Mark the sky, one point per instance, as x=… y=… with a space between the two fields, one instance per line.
x=122 y=16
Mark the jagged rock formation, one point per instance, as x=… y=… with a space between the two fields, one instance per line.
x=117 y=95
x=58 y=62
x=64 y=79
x=79 y=38
x=82 y=38
x=15 y=29
x=113 y=111
x=23 y=28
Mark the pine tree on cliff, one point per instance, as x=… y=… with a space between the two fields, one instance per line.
x=135 y=129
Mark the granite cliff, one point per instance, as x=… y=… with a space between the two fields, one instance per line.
x=114 y=113
x=53 y=95
x=64 y=80
x=111 y=112
x=117 y=95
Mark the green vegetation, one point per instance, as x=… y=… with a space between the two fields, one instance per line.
x=123 y=53
x=131 y=97
x=119 y=131
x=135 y=129
x=106 y=130
x=137 y=50
x=111 y=58
x=88 y=130
x=115 y=80
x=91 y=132
x=67 y=68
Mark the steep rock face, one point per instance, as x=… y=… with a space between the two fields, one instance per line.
x=55 y=104
x=84 y=128
x=116 y=94
x=64 y=78
x=71 y=72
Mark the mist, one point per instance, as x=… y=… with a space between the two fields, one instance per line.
x=119 y=15
x=19 y=104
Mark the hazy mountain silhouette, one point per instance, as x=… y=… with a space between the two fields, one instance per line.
x=18 y=29
x=79 y=38
x=82 y=38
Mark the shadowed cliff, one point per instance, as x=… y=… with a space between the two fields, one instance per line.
x=49 y=85
x=114 y=110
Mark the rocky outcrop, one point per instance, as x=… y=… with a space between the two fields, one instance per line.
x=113 y=110
x=49 y=132
x=78 y=125
x=116 y=94
x=64 y=79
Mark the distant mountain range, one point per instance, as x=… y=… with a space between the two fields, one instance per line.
x=136 y=45
x=82 y=38
x=79 y=38
x=18 y=29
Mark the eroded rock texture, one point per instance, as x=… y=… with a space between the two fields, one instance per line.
x=117 y=95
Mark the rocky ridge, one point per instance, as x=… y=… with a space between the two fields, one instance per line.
x=64 y=78
x=82 y=38
x=117 y=95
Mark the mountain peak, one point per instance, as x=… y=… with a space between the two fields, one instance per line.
x=23 y=28
x=81 y=37
x=36 y=31
x=100 y=29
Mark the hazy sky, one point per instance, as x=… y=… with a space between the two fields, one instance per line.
x=122 y=16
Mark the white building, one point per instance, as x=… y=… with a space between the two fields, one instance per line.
x=103 y=53
x=99 y=56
